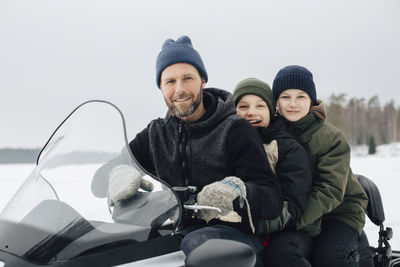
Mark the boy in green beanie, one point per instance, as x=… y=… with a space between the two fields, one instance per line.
x=288 y=159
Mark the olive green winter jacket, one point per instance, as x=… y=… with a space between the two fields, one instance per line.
x=336 y=193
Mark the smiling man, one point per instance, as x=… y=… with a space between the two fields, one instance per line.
x=202 y=142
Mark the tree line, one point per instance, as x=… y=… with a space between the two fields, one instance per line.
x=18 y=155
x=364 y=121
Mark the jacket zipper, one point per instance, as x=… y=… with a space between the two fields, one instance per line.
x=182 y=154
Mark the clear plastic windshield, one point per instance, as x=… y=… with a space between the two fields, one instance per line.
x=65 y=196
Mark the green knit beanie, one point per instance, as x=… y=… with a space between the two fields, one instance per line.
x=253 y=86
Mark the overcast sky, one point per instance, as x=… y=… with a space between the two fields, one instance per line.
x=55 y=54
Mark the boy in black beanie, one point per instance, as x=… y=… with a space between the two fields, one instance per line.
x=335 y=212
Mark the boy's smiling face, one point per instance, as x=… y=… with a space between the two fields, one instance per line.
x=254 y=109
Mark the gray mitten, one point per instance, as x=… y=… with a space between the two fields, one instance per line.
x=124 y=182
x=221 y=194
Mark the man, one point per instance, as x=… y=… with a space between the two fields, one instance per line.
x=202 y=142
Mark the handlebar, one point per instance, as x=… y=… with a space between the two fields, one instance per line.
x=197 y=207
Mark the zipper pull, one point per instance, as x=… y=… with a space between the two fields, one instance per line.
x=181 y=125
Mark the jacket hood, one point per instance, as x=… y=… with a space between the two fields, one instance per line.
x=219 y=105
x=319 y=110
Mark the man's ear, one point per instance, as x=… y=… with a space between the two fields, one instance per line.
x=203 y=83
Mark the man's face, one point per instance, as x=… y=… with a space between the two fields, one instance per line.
x=182 y=88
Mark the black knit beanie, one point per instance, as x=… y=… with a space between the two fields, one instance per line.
x=294 y=77
x=179 y=51
x=253 y=86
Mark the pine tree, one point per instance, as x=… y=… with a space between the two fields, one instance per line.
x=372 y=146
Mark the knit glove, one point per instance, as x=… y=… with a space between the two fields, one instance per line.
x=124 y=182
x=224 y=194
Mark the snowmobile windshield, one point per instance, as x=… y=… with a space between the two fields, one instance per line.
x=61 y=211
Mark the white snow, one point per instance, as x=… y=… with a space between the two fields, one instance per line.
x=389 y=150
x=383 y=168
x=11 y=177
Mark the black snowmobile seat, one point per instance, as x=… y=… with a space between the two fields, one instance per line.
x=371 y=256
x=375 y=206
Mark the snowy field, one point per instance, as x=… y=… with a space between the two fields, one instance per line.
x=383 y=168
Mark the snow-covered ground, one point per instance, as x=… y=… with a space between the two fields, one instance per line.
x=383 y=168
x=11 y=177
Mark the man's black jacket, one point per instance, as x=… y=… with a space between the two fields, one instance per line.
x=220 y=144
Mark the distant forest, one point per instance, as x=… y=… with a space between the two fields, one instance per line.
x=360 y=119
x=18 y=155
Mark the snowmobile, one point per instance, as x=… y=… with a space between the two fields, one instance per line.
x=60 y=216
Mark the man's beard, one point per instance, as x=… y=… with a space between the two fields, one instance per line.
x=192 y=107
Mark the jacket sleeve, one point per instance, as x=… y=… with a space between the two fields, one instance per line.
x=140 y=147
x=294 y=171
x=333 y=166
x=250 y=164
